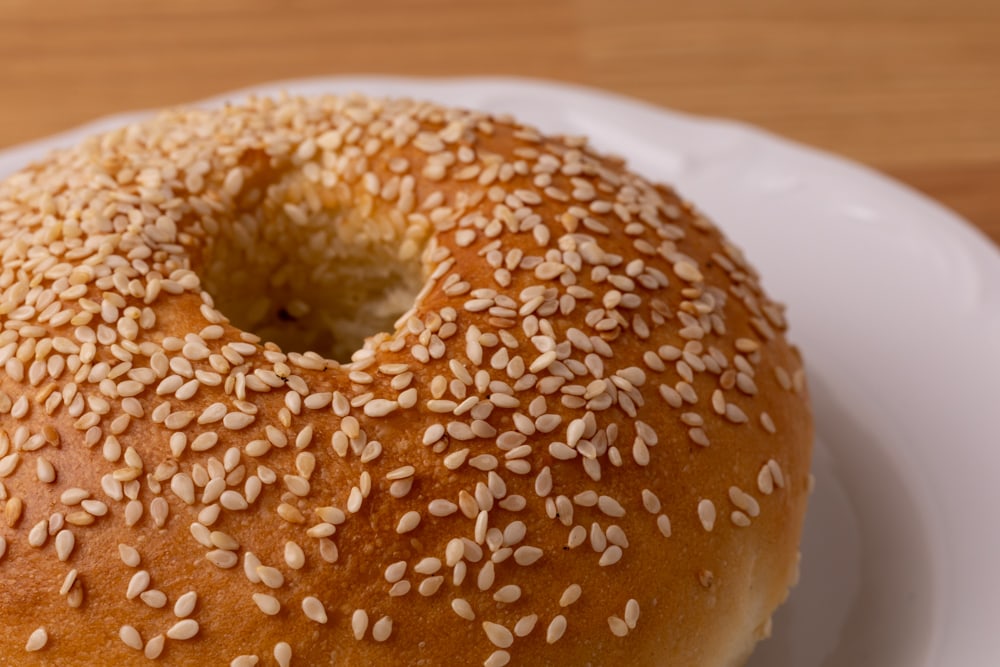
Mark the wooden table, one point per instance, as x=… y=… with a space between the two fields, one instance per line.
x=911 y=87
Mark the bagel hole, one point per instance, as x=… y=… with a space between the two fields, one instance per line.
x=323 y=281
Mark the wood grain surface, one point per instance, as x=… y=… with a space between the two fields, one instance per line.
x=910 y=87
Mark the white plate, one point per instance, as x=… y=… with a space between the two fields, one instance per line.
x=896 y=304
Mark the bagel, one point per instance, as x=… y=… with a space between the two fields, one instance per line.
x=349 y=381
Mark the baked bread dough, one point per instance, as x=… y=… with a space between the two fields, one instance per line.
x=352 y=381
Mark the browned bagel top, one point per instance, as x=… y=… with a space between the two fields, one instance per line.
x=355 y=381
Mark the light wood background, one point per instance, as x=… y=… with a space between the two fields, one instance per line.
x=911 y=87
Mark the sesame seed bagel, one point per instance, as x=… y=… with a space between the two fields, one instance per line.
x=343 y=381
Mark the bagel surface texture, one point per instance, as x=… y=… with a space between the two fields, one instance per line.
x=354 y=381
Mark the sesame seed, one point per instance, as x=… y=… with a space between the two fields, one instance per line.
x=618 y=627
x=40 y=532
x=611 y=556
x=73 y=496
x=570 y=595
x=283 y=654
x=430 y=586
x=556 y=629
x=610 y=506
x=598 y=539
x=408 y=522
x=776 y=473
x=498 y=634
x=441 y=508
x=294 y=556
x=498 y=658
x=527 y=555
x=130 y=636
x=354 y=500
x=400 y=588
x=487 y=575
x=80 y=518
x=37 y=640
x=154 y=647
x=154 y=599
x=650 y=501
x=314 y=610
x=617 y=536
x=706 y=514
x=433 y=433
x=185 y=604
x=562 y=451
x=270 y=577
x=577 y=536
x=698 y=436
x=224 y=540
x=455 y=460
x=233 y=501
x=183 y=487
x=45 y=472
x=744 y=501
x=395 y=571
x=236 y=421
x=382 y=629
x=297 y=485
x=268 y=604
x=525 y=625
x=137 y=584
x=631 y=613
x=767 y=423
x=509 y=593
x=321 y=530
x=133 y=512
x=427 y=566
x=359 y=623
x=8 y=464
x=739 y=519
x=765 y=480
x=182 y=630
x=65 y=541
x=463 y=609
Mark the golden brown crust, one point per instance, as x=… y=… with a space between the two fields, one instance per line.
x=637 y=428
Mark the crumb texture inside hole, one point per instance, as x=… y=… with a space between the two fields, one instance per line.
x=303 y=267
